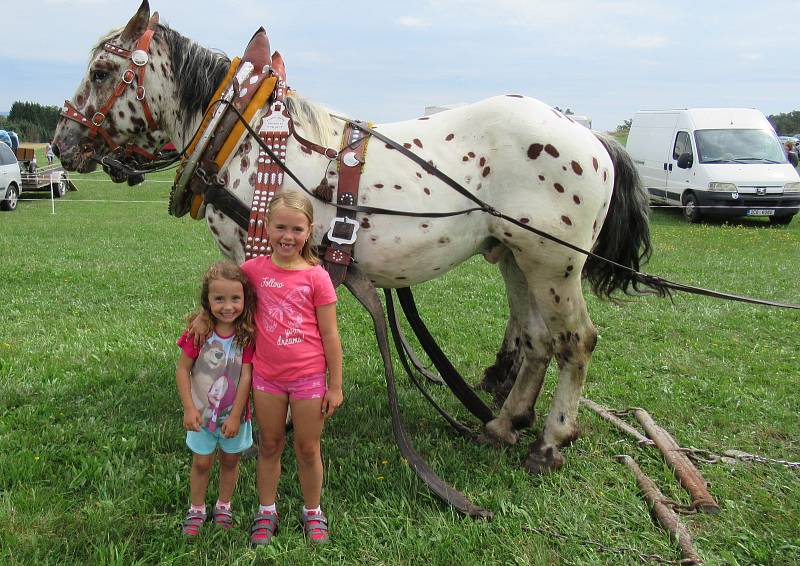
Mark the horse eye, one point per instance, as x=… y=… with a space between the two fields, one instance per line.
x=99 y=76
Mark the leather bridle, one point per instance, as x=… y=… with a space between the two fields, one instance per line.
x=132 y=77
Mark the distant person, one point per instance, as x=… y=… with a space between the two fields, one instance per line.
x=49 y=152
x=32 y=165
x=791 y=153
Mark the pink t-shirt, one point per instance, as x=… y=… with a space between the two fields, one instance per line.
x=288 y=341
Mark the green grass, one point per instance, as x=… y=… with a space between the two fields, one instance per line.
x=93 y=466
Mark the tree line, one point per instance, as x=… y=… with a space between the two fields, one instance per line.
x=32 y=121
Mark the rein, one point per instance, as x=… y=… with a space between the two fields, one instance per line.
x=661 y=285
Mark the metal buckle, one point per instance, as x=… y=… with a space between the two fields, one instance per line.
x=139 y=58
x=97 y=122
x=140 y=92
x=343 y=220
x=128 y=76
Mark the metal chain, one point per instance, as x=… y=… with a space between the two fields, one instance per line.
x=731 y=456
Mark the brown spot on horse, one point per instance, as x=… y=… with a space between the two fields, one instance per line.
x=595 y=164
x=566 y=220
x=449 y=137
x=365 y=223
x=486 y=171
x=552 y=151
x=534 y=150
x=559 y=187
x=417 y=142
x=577 y=168
x=576 y=199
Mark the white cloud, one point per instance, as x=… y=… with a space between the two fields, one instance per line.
x=414 y=22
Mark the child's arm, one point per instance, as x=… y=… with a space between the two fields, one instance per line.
x=191 y=416
x=230 y=427
x=198 y=327
x=326 y=318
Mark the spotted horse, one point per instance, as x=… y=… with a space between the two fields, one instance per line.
x=516 y=154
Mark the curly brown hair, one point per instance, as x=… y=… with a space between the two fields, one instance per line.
x=245 y=329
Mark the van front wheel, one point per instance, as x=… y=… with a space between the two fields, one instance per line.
x=780 y=220
x=691 y=212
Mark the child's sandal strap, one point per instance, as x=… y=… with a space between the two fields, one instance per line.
x=315 y=527
x=222 y=517
x=192 y=523
x=264 y=527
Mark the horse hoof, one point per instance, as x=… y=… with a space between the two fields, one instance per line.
x=501 y=431
x=543 y=459
x=524 y=420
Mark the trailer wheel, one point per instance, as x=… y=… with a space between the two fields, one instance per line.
x=691 y=212
x=60 y=188
x=12 y=196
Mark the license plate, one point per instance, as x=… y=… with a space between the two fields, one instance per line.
x=760 y=212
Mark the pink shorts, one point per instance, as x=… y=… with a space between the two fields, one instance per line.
x=309 y=387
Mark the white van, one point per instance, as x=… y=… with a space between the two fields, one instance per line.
x=714 y=162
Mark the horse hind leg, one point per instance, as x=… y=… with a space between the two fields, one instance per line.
x=498 y=379
x=535 y=350
x=564 y=310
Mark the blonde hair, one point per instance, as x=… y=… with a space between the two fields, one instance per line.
x=297 y=201
x=244 y=327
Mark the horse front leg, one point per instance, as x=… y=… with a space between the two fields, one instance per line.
x=574 y=340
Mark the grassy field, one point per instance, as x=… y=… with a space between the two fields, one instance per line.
x=93 y=465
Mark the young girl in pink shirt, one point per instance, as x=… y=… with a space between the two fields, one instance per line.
x=297 y=340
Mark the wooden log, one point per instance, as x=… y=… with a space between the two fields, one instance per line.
x=686 y=472
x=606 y=413
x=665 y=516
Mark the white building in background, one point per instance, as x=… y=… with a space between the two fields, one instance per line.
x=582 y=120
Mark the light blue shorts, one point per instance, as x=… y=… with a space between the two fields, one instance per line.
x=205 y=441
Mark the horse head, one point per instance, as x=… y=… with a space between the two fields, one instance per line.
x=117 y=116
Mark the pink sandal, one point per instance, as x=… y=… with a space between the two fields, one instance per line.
x=315 y=526
x=265 y=525
x=192 y=523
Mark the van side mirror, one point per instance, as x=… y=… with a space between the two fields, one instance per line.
x=685 y=161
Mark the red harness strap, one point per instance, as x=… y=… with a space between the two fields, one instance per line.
x=274 y=131
x=344 y=227
x=139 y=58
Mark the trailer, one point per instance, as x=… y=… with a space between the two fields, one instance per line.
x=50 y=178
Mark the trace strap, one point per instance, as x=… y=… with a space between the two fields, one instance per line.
x=484 y=207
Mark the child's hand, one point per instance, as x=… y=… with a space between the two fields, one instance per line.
x=332 y=401
x=199 y=327
x=191 y=419
x=230 y=427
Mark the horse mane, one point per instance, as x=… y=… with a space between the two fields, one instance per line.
x=314 y=120
x=200 y=69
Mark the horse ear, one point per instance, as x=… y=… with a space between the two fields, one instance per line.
x=278 y=66
x=153 y=20
x=137 y=24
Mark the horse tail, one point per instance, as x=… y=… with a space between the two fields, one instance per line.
x=625 y=235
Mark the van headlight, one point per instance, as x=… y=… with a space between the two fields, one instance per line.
x=723 y=187
x=791 y=188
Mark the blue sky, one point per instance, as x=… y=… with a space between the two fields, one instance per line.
x=386 y=61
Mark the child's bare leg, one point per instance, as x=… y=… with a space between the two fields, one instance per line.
x=228 y=474
x=198 y=479
x=308 y=422
x=271 y=417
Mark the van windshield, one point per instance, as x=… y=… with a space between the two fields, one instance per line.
x=738 y=146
